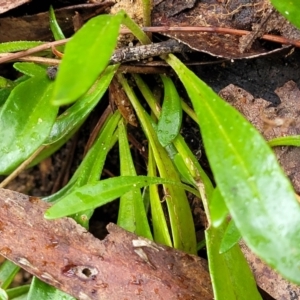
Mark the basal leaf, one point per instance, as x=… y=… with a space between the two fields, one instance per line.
x=25 y=121
x=290 y=9
x=18 y=46
x=169 y=122
x=258 y=195
x=41 y=290
x=76 y=114
x=132 y=214
x=30 y=69
x=231 y=276
x=54 y=26
x=291 y=140
x=86 y=56
x=93 y=195
x=217 y=207
x=181 y=221
x=8 y=271
x=231 y=237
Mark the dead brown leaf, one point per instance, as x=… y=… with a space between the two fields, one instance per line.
x=36 y=27
x=240 y=15
x=122 y=266
x=6 y=5
x=273 y=121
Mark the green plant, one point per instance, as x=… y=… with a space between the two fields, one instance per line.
x=246 y=172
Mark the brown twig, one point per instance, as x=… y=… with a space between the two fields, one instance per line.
x=268 y=37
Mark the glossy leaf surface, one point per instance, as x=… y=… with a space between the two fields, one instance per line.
x=291 y=140
x=76 y=114
x=231 y=237
x=230 y=273
x=86 y=55
x=93 y=195
x=30 y=69
x=18 y=46
x=290 y=9
x=132 y=213
x=169 y=122
x=54 y=26
x=8 y=270
x=41 y=290
x=258 y=195
x=25 y=121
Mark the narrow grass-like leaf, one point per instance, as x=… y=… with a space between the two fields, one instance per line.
x=41 y=290
x=94 y=195
x=231 y=237
x=170 y=119
x=8 y=271
x=92 y=164
x=230 y=273
x=86 y=56
x=132 y=214
x=182 y=225
x=258 y=195
x=30 y=69
x=217 y=207
x=160 y=228
x=291 y=140
x=54 y=26
x=25 y=121
x=290 y=9
x=18 y=293
x=18 y=46
x=75 y=115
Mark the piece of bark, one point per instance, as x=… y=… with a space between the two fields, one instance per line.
x=37 y=28
x=122 y=266
x=234 y=14
x=268 y=279
x=273 y=121
x=6 y=5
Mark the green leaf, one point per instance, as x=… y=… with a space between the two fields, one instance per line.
x=5 y=83
x=54 y=26
x=290 y=9
x=258 y=195
x=18 y=293
x=8 y=271
x=230 y=273
x=92 y=164
x=73 y=117
x=41 y=290
x=217 y=207
x=3 y=294
x=291 y=140
x=30 y=69
x=18 y=46
x=25 y=121
x=170 y=119
x=231 y=237
x=93 y=195
x=159 y=223
x=181 y=221
x=85 y=57
x=132 y=214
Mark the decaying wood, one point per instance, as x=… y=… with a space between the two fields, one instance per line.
x=234 y=14
x=122 y=266
x=268 y=279
x=273 y=121
x=36 y=27
x=6 y=5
